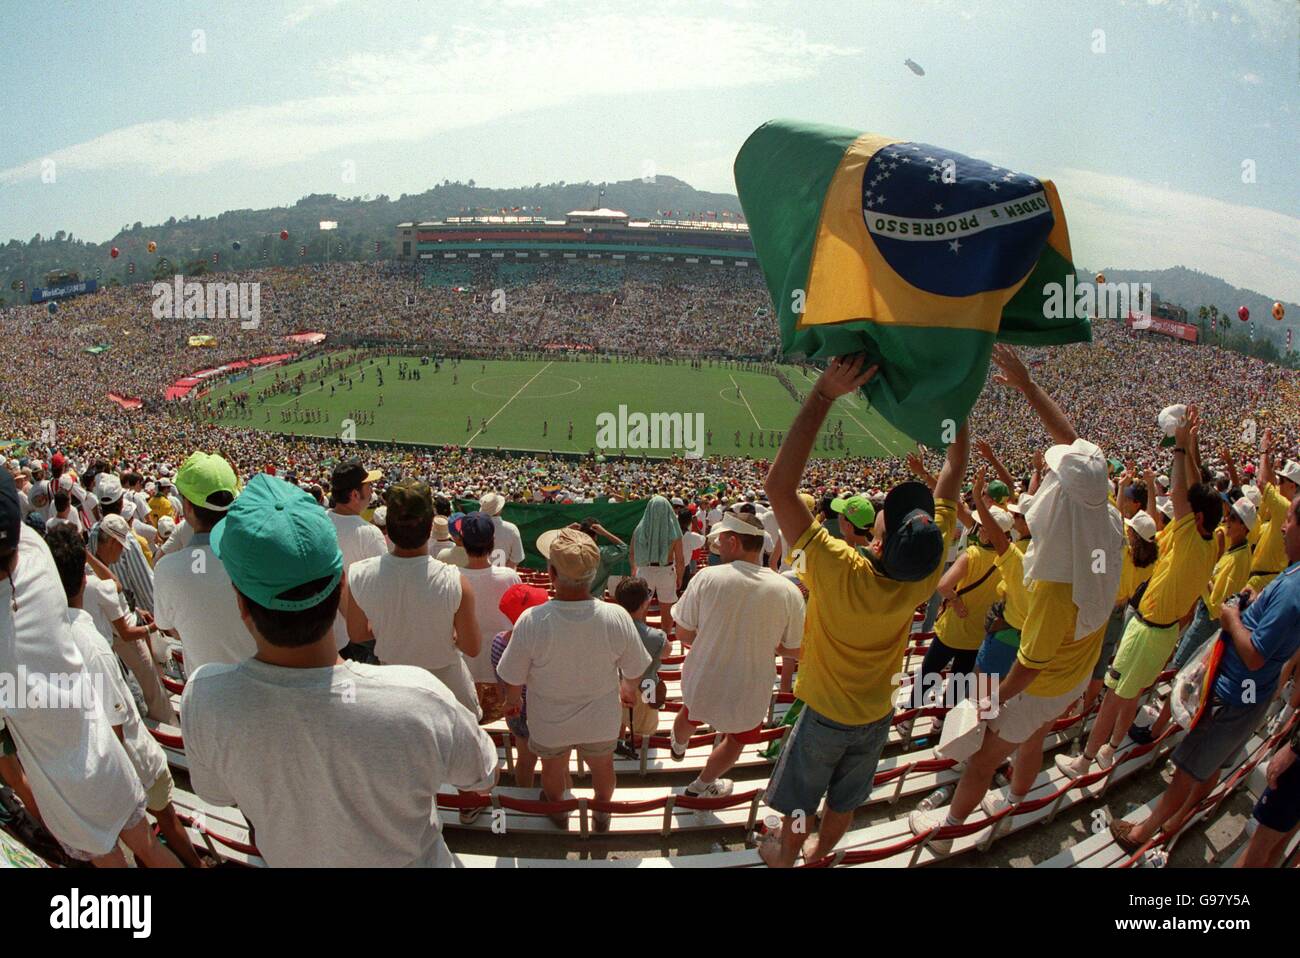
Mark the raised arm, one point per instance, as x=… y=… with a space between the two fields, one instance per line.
x=1000 y=540
x=948 y=485
x=843 y=375
x=1266 y=476
x=1180 y=478
x=985 y=450
x=1156 y=515
x=1014 y=373
x=1230 y=464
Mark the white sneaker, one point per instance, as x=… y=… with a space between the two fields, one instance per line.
x=719 y=788
x=1106 y=756
x=1074 y=767
x=993 y=804
x=921 y=822
x=679 y=753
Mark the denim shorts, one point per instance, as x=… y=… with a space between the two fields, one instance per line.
x=822 y=757
x=997 y=656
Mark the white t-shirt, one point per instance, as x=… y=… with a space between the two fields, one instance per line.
x=181 y=536
x=72 y=519
x=145 y=531
x=508 y=541
x=105 y=604
x=336 y=766
x=489 y=586
x=569 y=654
x=438 y=546
x=690 y=542
x=193 y=596
x=147 y=756
x=739 y=613
x=411 y=604
x=358 y=540
x=79 y=773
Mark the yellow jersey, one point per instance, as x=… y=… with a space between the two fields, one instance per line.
x=857 y=624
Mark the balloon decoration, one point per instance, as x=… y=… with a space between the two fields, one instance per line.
x=235 y=245
x=1101 y=278
x=1278 y=312
x=1243 y=314
x=284 y=234
x=152 y=247
x=114 y=252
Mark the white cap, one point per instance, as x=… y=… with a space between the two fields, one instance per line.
x=128 y=509
x=380 y=517
x=108 y=488
x=115 y=527
x=1164 y=481
x=1143 y=525
x=492 y=503
x=1002 y=518
x=1171 y=417
x=734 y=522
x=166 y=525
x=1246 y=512
x=1291 y=471
x=1252 y=493
x=1165 y=505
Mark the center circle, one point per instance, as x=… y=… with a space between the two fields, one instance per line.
x=527 y=393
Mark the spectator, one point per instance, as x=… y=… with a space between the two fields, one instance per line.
x=735 y=618
x=569 y=652
x=336 y=763
x=351 y=487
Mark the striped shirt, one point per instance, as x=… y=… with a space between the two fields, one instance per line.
x=132 y=570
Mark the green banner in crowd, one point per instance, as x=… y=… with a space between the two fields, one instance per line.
x=534 y=518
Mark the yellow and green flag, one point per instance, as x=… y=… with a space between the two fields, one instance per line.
x=916 y=255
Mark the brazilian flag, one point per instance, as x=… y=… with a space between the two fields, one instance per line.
x=915 y=255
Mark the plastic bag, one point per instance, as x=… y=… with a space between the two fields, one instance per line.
x=1194 y=681
x=963 y=732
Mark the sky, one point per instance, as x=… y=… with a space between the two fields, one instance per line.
x=1171 y=127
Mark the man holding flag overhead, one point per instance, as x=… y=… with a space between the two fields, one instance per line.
x=858 y=619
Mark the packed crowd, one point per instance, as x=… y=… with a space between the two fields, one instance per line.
x=350 y=658
x=701 y=315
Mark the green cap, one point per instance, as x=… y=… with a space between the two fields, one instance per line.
x=201 y=475
x=409 y=501
x=998 y=491
x=276 y=538
x=857 y=509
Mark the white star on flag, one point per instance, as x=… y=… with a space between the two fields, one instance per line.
x=880 y=199
x=954 y=245
x=934 y=177
x=938 y=207
x=993 y=186
x=930 y=159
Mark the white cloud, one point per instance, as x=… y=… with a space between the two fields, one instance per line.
x=1252 y=78
x=470 y=77
x=305 y=11
x=1117 y=219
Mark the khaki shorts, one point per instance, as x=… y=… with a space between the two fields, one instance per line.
x=159 y=795
x=589 y=750
x=1142 y=654
x=1023 y=715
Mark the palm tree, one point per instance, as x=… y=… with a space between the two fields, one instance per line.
x=1203 y=314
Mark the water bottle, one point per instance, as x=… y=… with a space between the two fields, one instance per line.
x=937 y=799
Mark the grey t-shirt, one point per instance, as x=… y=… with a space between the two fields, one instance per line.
x=334 y=767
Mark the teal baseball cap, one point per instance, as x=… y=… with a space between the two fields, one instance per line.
x=858 y=509
x=275 y=537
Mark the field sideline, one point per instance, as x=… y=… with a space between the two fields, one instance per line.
x=506 y=404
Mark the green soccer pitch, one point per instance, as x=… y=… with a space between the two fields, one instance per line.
x=515 y=398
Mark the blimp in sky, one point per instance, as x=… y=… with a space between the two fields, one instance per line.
x=914 y=67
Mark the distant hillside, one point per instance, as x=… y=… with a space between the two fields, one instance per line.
x=1192 y=289
x=363 y=221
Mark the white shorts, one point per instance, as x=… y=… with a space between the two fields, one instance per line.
x=1020 y=717
x=458 y=679
x=662 y=580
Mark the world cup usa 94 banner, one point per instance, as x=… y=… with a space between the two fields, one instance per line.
x=915 y=255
